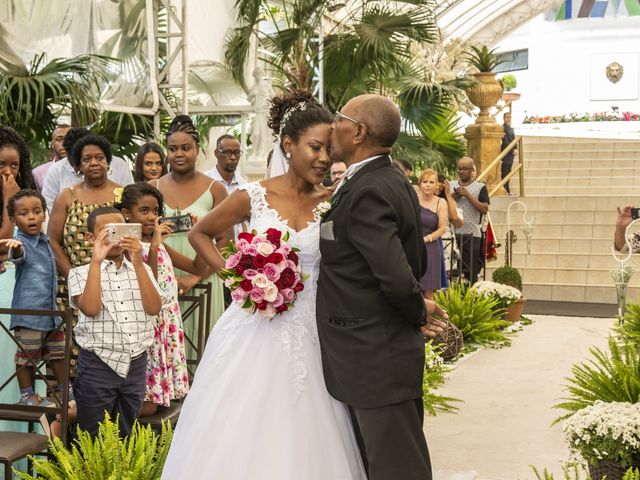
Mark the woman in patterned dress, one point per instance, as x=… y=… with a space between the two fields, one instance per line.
x=167 y=375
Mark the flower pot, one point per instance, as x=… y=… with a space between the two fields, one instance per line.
x=484 y=94
x=514 y=311
x=607 y=468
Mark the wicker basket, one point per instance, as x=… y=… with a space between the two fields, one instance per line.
x=451 y=341
x=610 y=470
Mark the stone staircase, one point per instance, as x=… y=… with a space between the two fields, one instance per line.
x=573 y=186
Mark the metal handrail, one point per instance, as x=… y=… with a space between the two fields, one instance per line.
x=519 y=168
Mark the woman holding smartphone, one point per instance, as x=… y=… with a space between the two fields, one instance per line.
x=189 y=192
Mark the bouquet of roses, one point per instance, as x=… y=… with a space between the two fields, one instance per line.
x=263 y=272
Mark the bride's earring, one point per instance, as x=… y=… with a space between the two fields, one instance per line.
x=288 y=155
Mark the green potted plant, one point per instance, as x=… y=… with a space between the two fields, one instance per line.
x=606 y=436
x=506 y=295
x=507 y=275
x=486 y=90
x=509 y=82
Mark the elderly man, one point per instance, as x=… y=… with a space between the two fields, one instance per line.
x=57 y=152
x=473 y=200
x=371 y=340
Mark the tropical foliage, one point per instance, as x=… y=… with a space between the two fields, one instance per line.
x=483 y=59
x=573 y=472
x=630 y=329
x=608 y=376
x=479 y=318
x=367 y=46
x=140 y=456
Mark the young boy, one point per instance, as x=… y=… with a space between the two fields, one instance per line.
x=35 y=288
x=118 y=301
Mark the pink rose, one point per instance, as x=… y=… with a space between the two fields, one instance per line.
x=258 y=239
x=249 y=250
x=241 y=244
x=284 y=250
x=278 y=301
x=291 y=265
x=239 y=295
x=272 y=272
x=250 y=274
x=288 y=294
x=256 y=295
x=233 y=260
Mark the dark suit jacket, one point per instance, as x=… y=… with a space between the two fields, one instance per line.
x=508 y=137
x=370 y=303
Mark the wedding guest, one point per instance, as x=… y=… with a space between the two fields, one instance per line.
x=115 y=325
x=434 y=217
x=189 y=192
x=66 y=173
x=228 y=155
x=623 y=220
x=337 y=171
x=35 y=288
x=150 y=163
x=167 y=375
x=57 y=153
x=473 y=200
x=508 y=137
x=91 y=155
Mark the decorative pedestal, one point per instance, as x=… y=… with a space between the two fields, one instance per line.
x=483 y=145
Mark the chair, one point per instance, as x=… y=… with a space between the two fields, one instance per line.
x=195 y=311
x=17 y=445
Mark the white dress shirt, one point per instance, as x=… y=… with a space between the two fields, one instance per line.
x=61 y=175
x=232 y=186
x=352 y=169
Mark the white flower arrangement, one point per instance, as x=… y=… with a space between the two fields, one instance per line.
x=605 y=431
x=504 y=293
x=623 y=273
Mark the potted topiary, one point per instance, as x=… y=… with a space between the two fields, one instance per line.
x=486 y=91
x=508 y=275
x=509 y=82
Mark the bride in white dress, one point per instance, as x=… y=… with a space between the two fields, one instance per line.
x=258 y=408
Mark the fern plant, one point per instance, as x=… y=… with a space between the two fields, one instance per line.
x=573 y=473
x=140 y=456
x=630 y=330
x=433 y=378
x=609 y=376
x=478 y=318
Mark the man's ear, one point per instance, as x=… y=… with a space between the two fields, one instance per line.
x=361 y=134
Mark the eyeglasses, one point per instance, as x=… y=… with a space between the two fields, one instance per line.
x=339 y=116
x=462 y=169
x=231 y=153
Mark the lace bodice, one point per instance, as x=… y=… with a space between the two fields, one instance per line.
x=291 y=327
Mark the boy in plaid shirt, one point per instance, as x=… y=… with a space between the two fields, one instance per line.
x=118 y=300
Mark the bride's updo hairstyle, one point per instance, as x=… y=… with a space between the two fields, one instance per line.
x=294 y=112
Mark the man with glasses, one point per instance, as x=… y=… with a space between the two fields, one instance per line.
x=228 y=155
x=473 y=200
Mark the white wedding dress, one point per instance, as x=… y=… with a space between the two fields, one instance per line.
x=258 y=408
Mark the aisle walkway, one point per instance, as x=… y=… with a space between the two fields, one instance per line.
x=504 y=425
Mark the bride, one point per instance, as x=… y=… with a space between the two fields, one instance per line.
x=258 y=407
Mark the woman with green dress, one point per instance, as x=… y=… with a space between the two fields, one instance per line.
x=189 y=192
x=15 y=175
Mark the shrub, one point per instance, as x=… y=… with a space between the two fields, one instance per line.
x=508 y=276
x=612 y=376
x=478 y=318
x=140 y=456
x=509 y=82
x=630 y=329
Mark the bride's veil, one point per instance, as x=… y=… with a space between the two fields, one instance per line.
x=279 y=163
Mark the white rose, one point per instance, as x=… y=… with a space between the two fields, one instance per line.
x=270 y=292
x=260 y=280
x=265 y=249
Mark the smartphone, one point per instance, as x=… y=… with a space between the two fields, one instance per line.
x=118 y=230
x=181 y=223
x=635 y=213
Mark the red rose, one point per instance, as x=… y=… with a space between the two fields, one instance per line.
x=246 y=285
x=260 y=261
x=293 y=256
x=274 y=236
x=246 y=236
x=299 y=287
x=282 y=308
x=246 y=261
x=262 y=305
x=287 y=277
x=275 y=258
x=239 y=270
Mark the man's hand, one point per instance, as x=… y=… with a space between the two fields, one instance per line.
x=134 y=248
x=433 y=326
x=462 y=192
x=13 y=244
x=101 y=246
